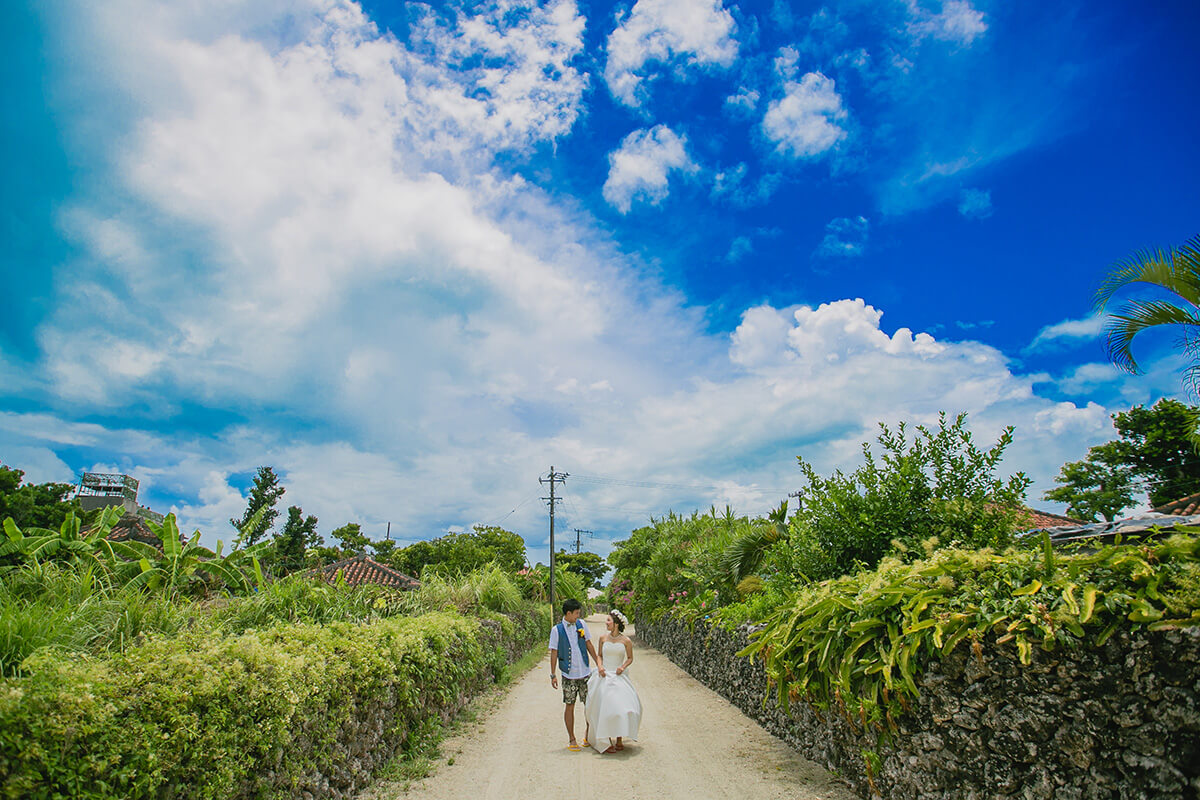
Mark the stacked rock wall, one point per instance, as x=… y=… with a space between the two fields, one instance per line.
x=1117 y=722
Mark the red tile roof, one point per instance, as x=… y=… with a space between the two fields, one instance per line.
x=1039 y=520
x=131 y=528
x=1183 y=507
x=364 y=569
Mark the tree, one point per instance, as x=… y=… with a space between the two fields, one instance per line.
x=299 y=533
x=384 y=550
x=459 y=553
x=39 y=505
x=937 y=487
x=1177 y=271
x=588 y=566
x=1102 y=485
x=351 y=539
x=263 y=495
x=1153 y=452
x=1155 y=443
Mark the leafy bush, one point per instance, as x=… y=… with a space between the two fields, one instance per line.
x=936 y=485
x=268 y=713
x=859 y=641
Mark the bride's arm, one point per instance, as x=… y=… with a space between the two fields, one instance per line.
x=599 y=653
x=628 y=656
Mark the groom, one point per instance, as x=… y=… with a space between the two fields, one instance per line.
x=570 y=644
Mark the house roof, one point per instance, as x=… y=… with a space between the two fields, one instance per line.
x=363 y=569
x=131 y=528
x=1148 y=524
x=1183 y=507
x=1032 y=519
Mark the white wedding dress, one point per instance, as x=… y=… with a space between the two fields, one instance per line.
x=613 y=708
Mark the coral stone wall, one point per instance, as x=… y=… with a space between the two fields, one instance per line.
x=1121 y=721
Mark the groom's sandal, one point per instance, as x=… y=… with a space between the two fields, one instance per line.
x=573 y=747
x=586 y=743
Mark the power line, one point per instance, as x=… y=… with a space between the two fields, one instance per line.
x=509 y=514
x=611 y=481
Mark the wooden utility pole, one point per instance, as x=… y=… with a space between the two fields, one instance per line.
x=562 y=477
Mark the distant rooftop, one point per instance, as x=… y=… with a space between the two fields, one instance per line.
x=363 y=569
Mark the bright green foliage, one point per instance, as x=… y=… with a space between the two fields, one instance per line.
x=298 y=535
x=458 y=553
x=1175 y=270
x=351 y=539
x=1155 y=443
x=681 y=561
x=588 y=566
x=267 y=713
x=534 y=583
x=1101 y=485
x=1154 y=449
x=488 y=588
x=859 y=642
x=937 y=485
x=185 y=567
x=35 y=546
x=34 y=505
x=77 y=609
x=256 y=522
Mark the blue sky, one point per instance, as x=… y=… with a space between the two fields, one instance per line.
x=413 y=255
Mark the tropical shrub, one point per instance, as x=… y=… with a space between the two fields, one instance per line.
x=77 y=609
x=267 y=713
x=936 y=485
x=858 y=642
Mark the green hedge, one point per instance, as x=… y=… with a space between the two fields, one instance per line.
x=267 y=713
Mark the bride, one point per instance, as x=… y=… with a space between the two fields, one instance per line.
x=613 y=710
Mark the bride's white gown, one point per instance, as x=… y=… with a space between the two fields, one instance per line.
x=613 y=708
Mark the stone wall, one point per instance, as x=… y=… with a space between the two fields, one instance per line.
x=1121 y=721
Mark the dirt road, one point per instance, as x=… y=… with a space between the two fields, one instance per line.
x=693 y=745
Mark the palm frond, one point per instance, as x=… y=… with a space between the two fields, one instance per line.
x=1176 y=270
x=746 y=552
x=1137 y=316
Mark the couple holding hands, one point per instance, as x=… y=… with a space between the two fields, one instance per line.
x=601 y=682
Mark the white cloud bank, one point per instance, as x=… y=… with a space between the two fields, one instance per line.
x=681 y=33
x=327 y=263
x=640 y=168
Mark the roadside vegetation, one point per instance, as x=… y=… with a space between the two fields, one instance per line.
x=911 y=556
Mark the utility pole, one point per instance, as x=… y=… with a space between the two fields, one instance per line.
x=579 y=533
x=554 y=476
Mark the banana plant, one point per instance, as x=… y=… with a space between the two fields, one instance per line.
x=38 y=545
x=185 y=566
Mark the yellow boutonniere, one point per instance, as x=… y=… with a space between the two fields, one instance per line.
x=581 y=633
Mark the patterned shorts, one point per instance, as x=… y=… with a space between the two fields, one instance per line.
x=574 y=688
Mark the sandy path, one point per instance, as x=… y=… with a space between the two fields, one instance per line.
x=693 y=745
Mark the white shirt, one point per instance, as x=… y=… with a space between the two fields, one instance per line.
x=578 y=668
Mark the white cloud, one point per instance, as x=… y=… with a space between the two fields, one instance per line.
x=640 y=168
x=844 y=236
x=975 y=203
x=1068 y=330
x=685 y=33
x=958 y=22
x=739 y=248
x=804 y=123
x=308 y=235
x=743 y=102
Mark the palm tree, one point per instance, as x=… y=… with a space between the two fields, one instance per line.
x=1176 y=270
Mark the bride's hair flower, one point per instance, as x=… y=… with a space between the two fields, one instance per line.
x=619 y=618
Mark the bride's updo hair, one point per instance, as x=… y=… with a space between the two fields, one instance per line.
x=618 y=618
